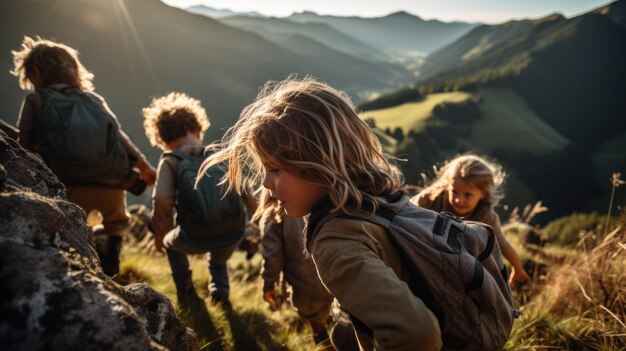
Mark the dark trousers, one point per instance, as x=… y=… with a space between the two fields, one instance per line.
x=216 y=259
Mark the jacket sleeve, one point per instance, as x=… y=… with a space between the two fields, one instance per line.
x=350 y=267
x=273 y=254
x=163 y=198
x=27 y=122
x=507 y=250
x=423 y=199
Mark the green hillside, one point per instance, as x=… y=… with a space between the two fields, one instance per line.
x=412 y=115
x=550 y=94
x=606 y=159
x=566 y=69
x=508 y=122
x=474 y=44
x=322 y=56
x=506 y=126
x=616 y=11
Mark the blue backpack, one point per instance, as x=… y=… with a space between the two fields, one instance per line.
x=209 y=216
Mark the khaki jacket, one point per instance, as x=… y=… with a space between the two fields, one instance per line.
x=283 y=251
x=165 y=189
x=359 y=266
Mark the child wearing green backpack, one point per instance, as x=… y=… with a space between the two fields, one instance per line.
x=79 y=138
x=187 y=219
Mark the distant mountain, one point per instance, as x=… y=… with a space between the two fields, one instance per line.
x=615 y=11
x=279 y=29
x=399 y=31
x=325 y=56
x=142 y=48
x=567 y=70
x=476 y=43
x=567 y=74
x=220 y=13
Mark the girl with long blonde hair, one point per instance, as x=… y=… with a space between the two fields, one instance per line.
x=305 y=142
x=470 y=186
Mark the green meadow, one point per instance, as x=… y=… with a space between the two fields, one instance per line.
x=575 y=299
x=412 y=115
x=249 y=325
x=506 y=120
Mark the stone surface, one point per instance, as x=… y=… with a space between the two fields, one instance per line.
x=53 y=293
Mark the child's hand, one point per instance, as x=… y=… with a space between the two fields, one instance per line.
x=271 y=298
x=518 y=277
x=158 y=243
x=147 y=173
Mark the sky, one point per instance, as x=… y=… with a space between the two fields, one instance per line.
x=485 y=11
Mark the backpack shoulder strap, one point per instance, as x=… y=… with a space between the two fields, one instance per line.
x=44 y=94
x=67 y=91
x=176 y=154
x=383 y=216
x=182 y=155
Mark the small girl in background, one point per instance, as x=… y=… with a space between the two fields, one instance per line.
x=470 y=187
x=283 y=251
x=307 y=144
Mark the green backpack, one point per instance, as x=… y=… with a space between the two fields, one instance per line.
x=80 y=140
x=209 y=215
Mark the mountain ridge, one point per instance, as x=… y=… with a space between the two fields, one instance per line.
x=136 y=52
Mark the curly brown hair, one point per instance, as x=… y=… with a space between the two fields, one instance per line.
x=173 y=116
x=40 y=63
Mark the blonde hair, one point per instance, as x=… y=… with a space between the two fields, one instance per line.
x=312 y=131
x=267 y=212
x=173 y=116
x=45 y=62
x=486 y=175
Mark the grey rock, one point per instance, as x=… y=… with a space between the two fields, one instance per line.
x=53 y=293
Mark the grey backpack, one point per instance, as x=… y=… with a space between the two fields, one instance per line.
x=455 y=266
x=80 y=140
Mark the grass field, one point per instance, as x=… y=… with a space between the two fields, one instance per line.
x=508 y=121
x=250 y=325
x=576 y=300
x=412 y=115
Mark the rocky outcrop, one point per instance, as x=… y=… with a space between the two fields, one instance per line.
x=53 y=293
